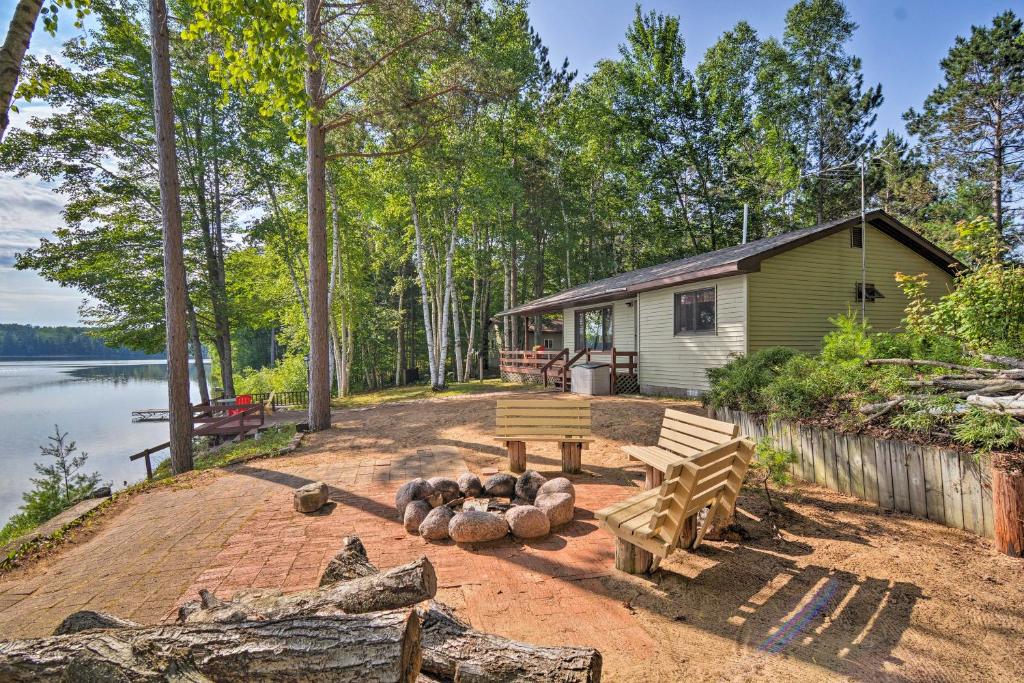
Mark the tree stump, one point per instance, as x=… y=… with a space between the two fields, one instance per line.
x=572 y=456
x=652 y=477
x=1008 y=511
x=632 y=559
x=516 y=456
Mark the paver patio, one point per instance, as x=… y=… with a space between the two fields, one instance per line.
x=848 y=595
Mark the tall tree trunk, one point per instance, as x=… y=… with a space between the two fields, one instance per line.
x=222 y=316
x=446 y=304
x=197 y=354
x=332 y=290
x=428 y=326
x=400 y=334
x=19 y=33
x=316 y=206
x=997 y=177
x=175 y=292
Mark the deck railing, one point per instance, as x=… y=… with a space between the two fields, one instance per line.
x=557 y=364
x=276 y=399
x=214 y=420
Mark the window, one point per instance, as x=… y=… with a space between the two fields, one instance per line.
x=594 y=329
x=695 y=311
x=870 y=291
x=547 y=343
x=856 y=237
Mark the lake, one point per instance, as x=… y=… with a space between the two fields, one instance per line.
x=93 y=402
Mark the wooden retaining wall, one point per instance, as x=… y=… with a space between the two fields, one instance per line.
x=933 y=483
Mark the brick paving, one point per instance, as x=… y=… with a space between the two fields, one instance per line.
x=238 y=531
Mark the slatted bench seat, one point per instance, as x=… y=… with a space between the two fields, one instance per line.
x=682 y=435
x=648 y=525
x=566 y=422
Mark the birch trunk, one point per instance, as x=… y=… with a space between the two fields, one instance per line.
x=428 y=326
x=175 y=292
x=316 y=203
x=332 y=289
x=445 y=308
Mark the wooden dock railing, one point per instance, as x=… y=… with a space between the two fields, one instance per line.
x=214 y=420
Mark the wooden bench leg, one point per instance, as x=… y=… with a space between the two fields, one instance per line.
x=652 y=477
x=632 y=559
x=688 y=533
x=572 y=456
x=516 y=456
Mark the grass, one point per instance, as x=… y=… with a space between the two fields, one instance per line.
x=270 y=442
x=420 y=391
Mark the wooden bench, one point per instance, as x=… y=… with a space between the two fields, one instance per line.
x=682 y=435
x=648 y=525
x=564 y=421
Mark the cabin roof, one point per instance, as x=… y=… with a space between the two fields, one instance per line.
x=735 y=260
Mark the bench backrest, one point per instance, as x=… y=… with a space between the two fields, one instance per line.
x=543 y=418
x=713 y=477
x=686 y=434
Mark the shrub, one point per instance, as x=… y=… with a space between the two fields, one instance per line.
x=740 y=382
x=806 y=386
x=848 y=341
x=287 y=375
x=773 y=463
x=986 y=430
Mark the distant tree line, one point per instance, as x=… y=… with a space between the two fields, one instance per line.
x=30 y=341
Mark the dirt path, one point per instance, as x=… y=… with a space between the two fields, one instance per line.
x=847 y=594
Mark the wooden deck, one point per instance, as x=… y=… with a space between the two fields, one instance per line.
x=553 y=368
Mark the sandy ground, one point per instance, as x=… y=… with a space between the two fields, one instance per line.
x=846 y=593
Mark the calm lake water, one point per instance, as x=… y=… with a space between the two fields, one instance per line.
x=93 y=402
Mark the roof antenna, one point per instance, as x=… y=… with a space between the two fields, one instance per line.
x=745 y=210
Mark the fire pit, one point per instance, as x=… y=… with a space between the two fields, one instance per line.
x=468 y=511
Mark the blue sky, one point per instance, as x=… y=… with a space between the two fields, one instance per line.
x=900 y=43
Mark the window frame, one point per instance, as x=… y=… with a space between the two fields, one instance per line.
x=866 y=292
x=677 y=330
x=607 y=328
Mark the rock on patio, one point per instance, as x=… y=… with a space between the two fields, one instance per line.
x=848 y=594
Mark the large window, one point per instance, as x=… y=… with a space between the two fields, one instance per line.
x=695 y=312
x=594 y=329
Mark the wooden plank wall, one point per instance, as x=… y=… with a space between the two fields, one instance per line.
x=932 y=483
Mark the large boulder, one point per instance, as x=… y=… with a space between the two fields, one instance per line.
x=470 y=486
x=500 y=485
x=434 y=526
x=527 y=521
x=474 y=526
x=557 y=506
x=558 y=485
x=448 y=488
x=528 y=483
x=417 y=489
x=415 y=513
x=311 y=497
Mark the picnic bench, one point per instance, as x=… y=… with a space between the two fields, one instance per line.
x=648 y=525
x=682 y=435
x=566 y=422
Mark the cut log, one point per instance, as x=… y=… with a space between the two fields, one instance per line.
x=349 y=563
x=632 y=559
x=88 y=620
x=516 y=456
x=930 y=363
x=454 y=651
x=572 y=457
x=1008 y=511
x=402 y=586
x=380 y=647
x=999 y=403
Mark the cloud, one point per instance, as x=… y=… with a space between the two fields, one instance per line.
x=29 y=211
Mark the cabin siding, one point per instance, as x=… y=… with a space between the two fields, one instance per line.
x=795 y=293
x=623 y=325
x=677 y=364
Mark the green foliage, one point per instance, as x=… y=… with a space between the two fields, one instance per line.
x=59 y=485
x=987 y=430
x=740 y=382
x=807 y=386
x=269 y=444
x=774 y=461
x=28 y=341
x=288 y=375
x=850 y=340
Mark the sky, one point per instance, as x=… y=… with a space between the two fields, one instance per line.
x=900 y=43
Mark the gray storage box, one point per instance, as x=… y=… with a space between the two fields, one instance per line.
x=592 y=379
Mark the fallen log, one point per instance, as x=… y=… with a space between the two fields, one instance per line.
x=402 y=586
x=1003 y=404
x=454 y=651
x=1008 y=361
x=349 y=563
x=931 y=363
x=364 y=648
